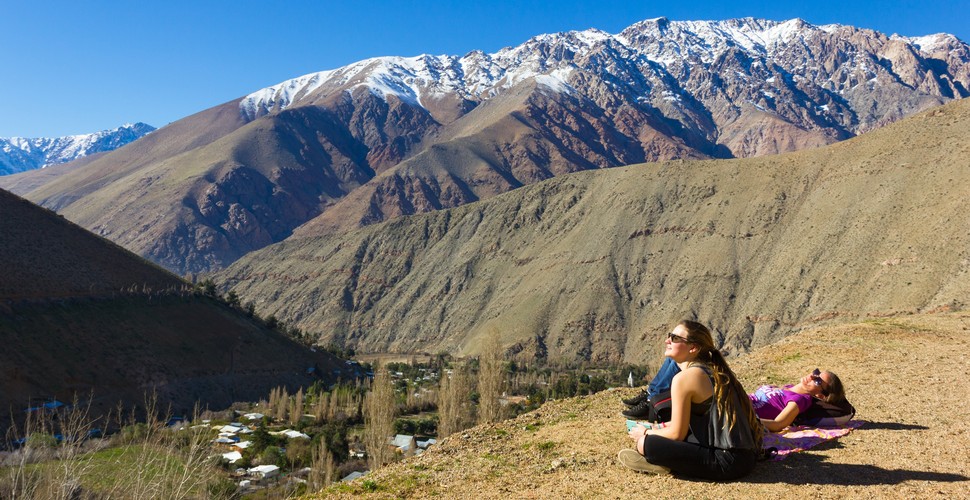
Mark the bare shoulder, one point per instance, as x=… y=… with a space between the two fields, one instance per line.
x=692 y=375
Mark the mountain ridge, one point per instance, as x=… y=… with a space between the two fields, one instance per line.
x=252 y=171
x=18 y=154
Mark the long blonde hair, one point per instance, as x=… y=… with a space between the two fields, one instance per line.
x=724 y=380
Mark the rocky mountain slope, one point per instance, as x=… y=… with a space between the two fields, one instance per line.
x=393 y=136
x=596 y=265
x=18 y=154
x=81 y=316
x=567 y=449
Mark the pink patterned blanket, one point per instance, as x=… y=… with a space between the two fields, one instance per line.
x=800 y=437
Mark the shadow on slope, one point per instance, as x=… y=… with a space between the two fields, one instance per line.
x=78 y=314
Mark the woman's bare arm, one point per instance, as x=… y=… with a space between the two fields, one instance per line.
x=784 y=419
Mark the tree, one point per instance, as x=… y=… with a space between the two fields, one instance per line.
x=454 y=401
x=296 y=411
x=298 y=452
x=261 y=439
x=322 y=467
x=491 y=378
x=379 y=410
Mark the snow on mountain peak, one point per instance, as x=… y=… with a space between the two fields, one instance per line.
x=927 y=43
x=544 y=58
x=20 y=154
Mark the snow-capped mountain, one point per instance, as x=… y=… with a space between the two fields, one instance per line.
x=18 y=154
x=832 y=78
x=390 y=136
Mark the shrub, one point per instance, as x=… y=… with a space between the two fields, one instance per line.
x=298 y=452
x=223 y=489
x=273 y=455
x=41 y=440
x=135 y=432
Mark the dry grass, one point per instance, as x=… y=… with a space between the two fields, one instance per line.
x=145 y=460
x=906 y=377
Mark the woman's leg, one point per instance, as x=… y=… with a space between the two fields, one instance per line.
x=665 y=375
x=691 y=459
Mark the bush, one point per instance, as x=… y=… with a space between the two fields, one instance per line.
x=298 y=453
x=41 y=440
x=273 y=455
x=423 y=426
x=223 y=489
x=134 y=433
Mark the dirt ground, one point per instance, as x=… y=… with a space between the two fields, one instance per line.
x=907 y=378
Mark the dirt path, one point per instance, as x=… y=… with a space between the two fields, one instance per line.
x=907 y=377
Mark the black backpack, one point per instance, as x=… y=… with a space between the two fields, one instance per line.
x=659 y=407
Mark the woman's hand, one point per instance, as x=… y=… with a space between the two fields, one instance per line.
x=637 y=432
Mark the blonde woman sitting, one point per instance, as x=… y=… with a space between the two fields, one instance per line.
x=713 y=432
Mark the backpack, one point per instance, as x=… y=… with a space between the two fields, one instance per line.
x=659 y=407
x=823 y=414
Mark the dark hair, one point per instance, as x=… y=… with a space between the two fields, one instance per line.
x=835 y=389
x=724 y=379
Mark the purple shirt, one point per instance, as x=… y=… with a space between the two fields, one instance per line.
x=770 y=400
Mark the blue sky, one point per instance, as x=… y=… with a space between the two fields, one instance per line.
x=76 y=67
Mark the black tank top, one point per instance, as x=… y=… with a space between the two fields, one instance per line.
x=711 y=430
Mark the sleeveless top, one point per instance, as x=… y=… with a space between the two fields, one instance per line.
x=709 y=428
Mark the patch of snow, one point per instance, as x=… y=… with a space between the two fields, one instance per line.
x=281 y=95
x=927 y=43
x=557 y=81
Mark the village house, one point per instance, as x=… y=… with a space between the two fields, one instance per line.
x=403 y=444
x=291 y=434
x=264 y=471
x=353 y=475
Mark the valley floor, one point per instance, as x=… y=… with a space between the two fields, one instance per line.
x=907 y=378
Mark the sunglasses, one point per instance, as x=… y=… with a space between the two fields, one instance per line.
x=677 y=339
x=817 y=379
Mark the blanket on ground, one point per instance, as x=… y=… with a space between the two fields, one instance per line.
x=801 y=437
x=797 y=437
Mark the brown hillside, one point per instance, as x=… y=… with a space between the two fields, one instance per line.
x=525 y=136
x=81 y=316
x=45 y=256
x=904 y=376
x=201 y=192
x=593 y=264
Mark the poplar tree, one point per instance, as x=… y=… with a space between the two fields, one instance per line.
x=453 y=401
x=491 y=378
x=379 y=409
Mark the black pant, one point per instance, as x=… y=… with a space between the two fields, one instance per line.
x=692 y=459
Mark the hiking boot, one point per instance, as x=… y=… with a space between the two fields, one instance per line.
x=635 y=400
x=634 y=460
x=638 y=412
